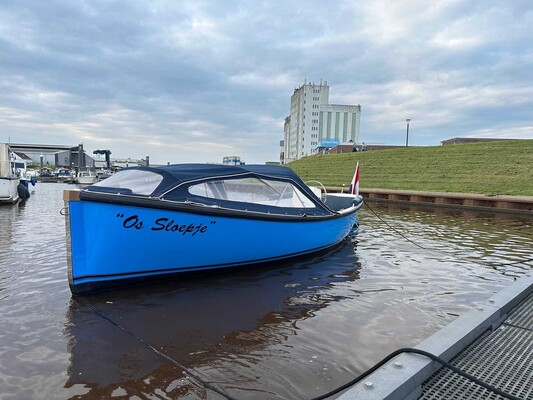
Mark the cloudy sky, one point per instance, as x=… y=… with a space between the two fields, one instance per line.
x=193 y=81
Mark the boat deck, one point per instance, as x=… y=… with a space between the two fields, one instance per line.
x=493 y=343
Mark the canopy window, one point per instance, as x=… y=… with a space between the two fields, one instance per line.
x=134 y=181
x=253 y=190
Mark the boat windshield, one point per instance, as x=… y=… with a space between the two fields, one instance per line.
x=254 y=190
x=138 y=181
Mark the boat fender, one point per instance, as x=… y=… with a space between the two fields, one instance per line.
x=23 y=192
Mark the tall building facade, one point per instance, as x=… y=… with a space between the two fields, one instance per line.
x=314 y=124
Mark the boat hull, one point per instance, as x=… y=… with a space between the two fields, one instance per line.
x=110 y=243
x=9 y=190
x=86 y=180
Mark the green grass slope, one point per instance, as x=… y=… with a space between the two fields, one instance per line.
x=504 y=167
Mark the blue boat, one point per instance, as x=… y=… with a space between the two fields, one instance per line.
x=148 y=222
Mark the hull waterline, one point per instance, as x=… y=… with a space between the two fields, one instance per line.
x=8 y=190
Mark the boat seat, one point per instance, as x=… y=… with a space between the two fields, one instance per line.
x=340 y=201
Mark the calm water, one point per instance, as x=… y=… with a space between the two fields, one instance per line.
x=294 y=331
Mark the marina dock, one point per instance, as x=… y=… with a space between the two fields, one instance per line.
x=493 y=343
x=514 y=204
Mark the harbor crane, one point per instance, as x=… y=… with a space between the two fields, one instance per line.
x=107 y=154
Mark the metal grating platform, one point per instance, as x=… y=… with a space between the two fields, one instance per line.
x=493 y=342
x=502 y=358
x=522 y=315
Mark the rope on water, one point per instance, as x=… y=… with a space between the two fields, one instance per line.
x=192 y=374
x=488 y=264
x=209 y=386
x=347 y=385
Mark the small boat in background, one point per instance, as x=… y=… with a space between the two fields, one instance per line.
x=65 y=175
x=9 y=181
x=147 y=222
x=86 y=176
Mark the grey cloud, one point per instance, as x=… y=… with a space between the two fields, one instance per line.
x=218 y=77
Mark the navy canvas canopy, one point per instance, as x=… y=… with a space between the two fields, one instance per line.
x=177 y=178
x=177 y=174
x=194 y=172
x=187 y=172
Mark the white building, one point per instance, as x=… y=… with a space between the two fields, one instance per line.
x=314 y=123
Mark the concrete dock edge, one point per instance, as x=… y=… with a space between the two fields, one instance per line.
x=402 y=377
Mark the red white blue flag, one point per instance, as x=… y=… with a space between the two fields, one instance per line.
x=354 y=187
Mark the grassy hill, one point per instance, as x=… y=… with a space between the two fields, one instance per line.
x=504 y=167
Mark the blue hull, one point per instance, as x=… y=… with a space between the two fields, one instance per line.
x=108 y=243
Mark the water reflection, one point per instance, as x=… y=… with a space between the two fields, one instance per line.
x=491 y=239
x=8 y=215
x=192 y=320
x=9 y=218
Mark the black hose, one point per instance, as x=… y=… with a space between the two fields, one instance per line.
x=347 y=385
x=426 y=354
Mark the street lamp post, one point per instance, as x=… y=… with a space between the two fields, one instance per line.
x=407 y=137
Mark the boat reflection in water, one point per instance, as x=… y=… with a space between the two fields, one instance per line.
x=230 y=321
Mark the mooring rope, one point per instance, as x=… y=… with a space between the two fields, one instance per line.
x=487 y=264
x=192 y=374
x=206 y=384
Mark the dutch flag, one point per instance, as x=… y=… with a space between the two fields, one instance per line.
x=354 y=187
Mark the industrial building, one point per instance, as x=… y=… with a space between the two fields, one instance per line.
x=58 y=156
x=314 y=124
x=64 y=156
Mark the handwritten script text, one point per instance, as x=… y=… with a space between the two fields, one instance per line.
x=164 y=225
